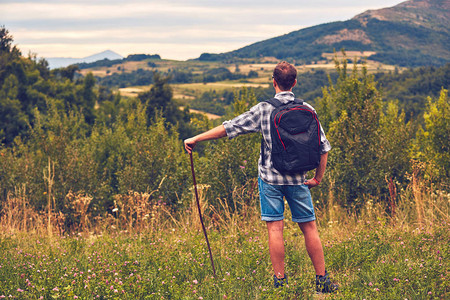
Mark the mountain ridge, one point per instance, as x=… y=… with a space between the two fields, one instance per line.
x=412 y=33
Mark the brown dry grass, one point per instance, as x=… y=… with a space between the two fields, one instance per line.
x=420 y=207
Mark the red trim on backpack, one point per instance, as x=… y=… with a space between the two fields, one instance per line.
x=294 y=108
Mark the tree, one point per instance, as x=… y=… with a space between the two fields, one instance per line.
x=395 y=139
x=159 y=98
x=432 y=142
x=67 y=72
x=159 y=102
x=5 y=40
x=89 y=98
x=13 y=120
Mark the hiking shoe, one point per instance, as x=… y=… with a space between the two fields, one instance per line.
x=279 y=282
x=324 y=285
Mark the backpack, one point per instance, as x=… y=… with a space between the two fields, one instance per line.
x=295 y=134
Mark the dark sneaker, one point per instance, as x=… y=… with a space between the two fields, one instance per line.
x=324 y=285
x=279 y=282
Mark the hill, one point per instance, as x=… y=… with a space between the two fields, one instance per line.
x=412 y=33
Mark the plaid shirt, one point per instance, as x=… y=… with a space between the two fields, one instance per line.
x=257 y=119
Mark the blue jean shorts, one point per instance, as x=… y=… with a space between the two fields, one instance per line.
x=272 y=202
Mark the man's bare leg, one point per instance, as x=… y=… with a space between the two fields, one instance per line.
x=313 y=246
x=276 y=246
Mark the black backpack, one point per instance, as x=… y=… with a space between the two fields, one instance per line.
x=295 y=133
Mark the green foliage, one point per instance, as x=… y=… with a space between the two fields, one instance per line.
x=354 y=133
x=56 y=137
x=66 y=135
x=27 y=84
x=124 y=79
x=159 y=97
x=141 y=57
x=395 y=137
x=13 y=119
x=229 y=165
x=6 y=41
x=213 y=102
x=133 y=157
x=369 y=145
x=159 y=100
x=67 y=73
x=101 y=162
x=109 y=63
x=412 y=87
x=432 y=141
x=310 y=84
x=220 y=74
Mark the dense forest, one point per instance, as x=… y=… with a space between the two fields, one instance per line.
x=63 y=136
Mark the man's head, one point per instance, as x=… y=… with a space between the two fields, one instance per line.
x=285 y=75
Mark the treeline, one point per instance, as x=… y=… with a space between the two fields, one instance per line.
x=145 y=77
x=410 y=88
x=309 y=88
x=82 y=141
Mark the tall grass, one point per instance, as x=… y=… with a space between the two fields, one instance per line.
x=144 y=250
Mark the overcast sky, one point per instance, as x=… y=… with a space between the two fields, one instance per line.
x=174 y=29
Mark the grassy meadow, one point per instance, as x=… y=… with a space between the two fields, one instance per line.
x=157 y=254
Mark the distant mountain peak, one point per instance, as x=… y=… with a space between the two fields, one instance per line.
x=60 y=62
x=108 y=54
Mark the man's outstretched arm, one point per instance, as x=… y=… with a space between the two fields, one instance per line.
x=213 y=134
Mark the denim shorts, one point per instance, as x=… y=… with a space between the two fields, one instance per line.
x=272 y=203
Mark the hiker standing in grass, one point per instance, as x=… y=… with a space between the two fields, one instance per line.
x=275 y=185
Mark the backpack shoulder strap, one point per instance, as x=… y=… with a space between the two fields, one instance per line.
x=274 y=101
x=277 y=103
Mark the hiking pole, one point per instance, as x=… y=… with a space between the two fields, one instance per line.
x=200 y=214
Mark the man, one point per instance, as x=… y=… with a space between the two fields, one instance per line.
x=273 y=185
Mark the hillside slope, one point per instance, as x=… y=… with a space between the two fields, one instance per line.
x=412 y=33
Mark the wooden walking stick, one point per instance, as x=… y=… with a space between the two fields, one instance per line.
x=200 y=214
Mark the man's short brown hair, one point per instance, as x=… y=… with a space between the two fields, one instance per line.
x=285 y=75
